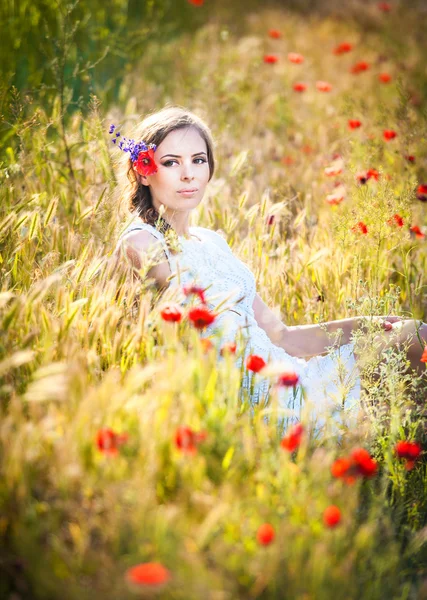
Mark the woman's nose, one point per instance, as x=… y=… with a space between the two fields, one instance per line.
x=187 y=172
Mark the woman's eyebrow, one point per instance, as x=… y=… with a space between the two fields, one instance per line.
x=177 y=155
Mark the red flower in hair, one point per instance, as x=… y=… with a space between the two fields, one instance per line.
x=354 y=123
x=145 y=165
x=151 y=574
x=295 y=58
x=331 y=516
x=299 y=87
x=275 y=34
x=187 y=440
x=389 y=134
x=292 y=440
x=171 y=313
x=359 y=67
x=396 y=220
x=108 y=441
x=255 y=363
x=323 y=86
x=343 y=48
x=384 y=77
x=417 y=231
x=201 y=317
x=271 y=58
x=360 y=227
x=265 y=534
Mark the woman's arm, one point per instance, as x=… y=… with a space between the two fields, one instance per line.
x=305 y=341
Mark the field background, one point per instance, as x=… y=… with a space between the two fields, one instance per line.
x=83 y=348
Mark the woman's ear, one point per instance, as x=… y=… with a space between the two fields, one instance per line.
x=142 y=179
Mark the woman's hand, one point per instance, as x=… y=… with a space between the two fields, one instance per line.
x=386 y=322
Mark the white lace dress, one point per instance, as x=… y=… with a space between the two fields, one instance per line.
x=328 y=384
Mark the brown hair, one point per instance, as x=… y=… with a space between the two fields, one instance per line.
x=153 y=130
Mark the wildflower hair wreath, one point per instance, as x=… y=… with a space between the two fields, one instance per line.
x=142 y=156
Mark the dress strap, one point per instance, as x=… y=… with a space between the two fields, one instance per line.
x=141 y=226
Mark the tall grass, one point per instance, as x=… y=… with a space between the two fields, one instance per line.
x=83 y=346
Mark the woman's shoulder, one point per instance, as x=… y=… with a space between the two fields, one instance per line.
x=218 y=237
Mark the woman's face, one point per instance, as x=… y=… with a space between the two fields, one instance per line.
x=182 y=164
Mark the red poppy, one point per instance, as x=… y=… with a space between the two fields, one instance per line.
x=323 y=86
x=270 y=220
x=354 y=123
x=288 y=160
x=108 y=441
x=196 y=290
x=422 y=192
x=151 y=574
x=340 y=467
x=333 y=171
x=410 y=158
x=171 y=313
x=307 y=149
x=292 y=440
x=144 y=164
x=417 y=231
x=424 y=356
x=334 y=199
x=359 y=67
x=271 y=58
x=207 y=344
x=255 y=363
x=265 y=534
x=384 y=77
x=331 y=516
x=201 y=317
x=228 y=348
x=362 y=177
x=299 y=87
x=187 y=440
x=196 y=2
x=409 y=451
x=288 y=379
x=360 y=227
x=364 y=463
x=384 y=6
x=275 y=34
x=295 y=58
x=373 y=174
x=343 y=48
x=389 y=134
x=396 y=220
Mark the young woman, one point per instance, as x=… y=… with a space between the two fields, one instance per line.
x=162 y=191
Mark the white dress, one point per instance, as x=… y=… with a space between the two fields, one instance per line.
x=328 y=385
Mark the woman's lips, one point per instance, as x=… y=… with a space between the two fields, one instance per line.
x=187 y=192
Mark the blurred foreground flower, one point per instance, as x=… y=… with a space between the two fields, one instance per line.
x=255 y=363
x=171 y=313
x=201 y=317
x=196 y=290
x=331 y=516
x=424 y=355
x=343 y=48
x=265 y=534
x=292 y=440
x=299 y=87
x=271 y=58
x=396 y=220
x=358 y=464
x=196 y=2
x=354 y=123
x=323 y=86
x=384 y=6
x=288 y=379
x=152 y=576
x=337 y=196
x=359 y=67
x=360 y=227
x=108 y=441
x=422 y=192
x=275 y=34
x=409 y=451
x=384 y=77
x=389 y=134
x=417 y=232
x=295 y=58
x=228 y=348
x=187 y=440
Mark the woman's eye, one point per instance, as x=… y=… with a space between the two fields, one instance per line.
x=169 y=162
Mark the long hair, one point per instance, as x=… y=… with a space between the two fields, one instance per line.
x=153 y=130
